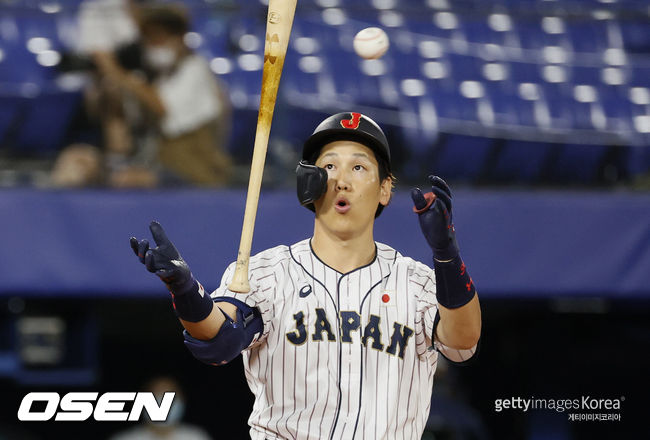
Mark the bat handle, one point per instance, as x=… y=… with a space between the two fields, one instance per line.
x=239 y=282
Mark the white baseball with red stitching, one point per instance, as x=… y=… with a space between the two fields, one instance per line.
x=371 y=43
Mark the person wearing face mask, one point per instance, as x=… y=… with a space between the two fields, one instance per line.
x=172 y=428
x=182 y=96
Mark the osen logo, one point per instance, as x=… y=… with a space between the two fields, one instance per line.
x=80 y=406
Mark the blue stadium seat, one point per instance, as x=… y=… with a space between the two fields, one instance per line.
x=419 y=124
x=425 y=25
x=616 y=107
x=635 y=35
x=246 y=25
x=640 y=76
x=526 y=112
x=242 y=134
x=477 y=30
x=20 y=66
x=40 y=25
x=450 y=104
x=465 y=67
x=327 y=36
x=586 y=75
x=45 y=123
x=214 y=31
x=558 y=100
x=532 y=36
x=307 y=78
x=405 y=65
x=509 y=108
x=523 y=72
x=245 y=80
x=588 y=35
x=354 y=79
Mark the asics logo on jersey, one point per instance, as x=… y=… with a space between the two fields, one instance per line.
x=305 y=291
x=351 y=322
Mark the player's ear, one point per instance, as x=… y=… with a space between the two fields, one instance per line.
x=385 y=191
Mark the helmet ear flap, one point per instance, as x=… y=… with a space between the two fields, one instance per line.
x=312 y=183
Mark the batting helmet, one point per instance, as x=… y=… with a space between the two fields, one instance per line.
x=312 y=181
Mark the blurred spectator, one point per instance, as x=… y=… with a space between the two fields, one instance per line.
x=105 y=25
x=172 y=429
x=182 y=102
x=78 y=166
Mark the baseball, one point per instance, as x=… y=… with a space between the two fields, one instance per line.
x=371 y=43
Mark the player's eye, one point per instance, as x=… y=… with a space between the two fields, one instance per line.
x=358 y=167
x=329 y=166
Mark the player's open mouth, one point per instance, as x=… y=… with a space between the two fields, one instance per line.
x=342 y=205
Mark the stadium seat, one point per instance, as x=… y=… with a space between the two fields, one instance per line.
x=588 y=35
x=465 y=67
x=532 y=35
x=640 y=77
x=497 y=29
x=634 y=33
x=616 y=108
x=308 y=79
x=45 y=123
x=509 y=109
x=521 y=65
x=213 y=31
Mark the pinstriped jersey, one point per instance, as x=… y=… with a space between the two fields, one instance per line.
x=341 y=356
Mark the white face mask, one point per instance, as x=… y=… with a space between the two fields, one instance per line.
x=160 y=57
x=176 y=413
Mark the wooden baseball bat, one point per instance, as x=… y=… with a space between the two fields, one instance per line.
x=279 y=21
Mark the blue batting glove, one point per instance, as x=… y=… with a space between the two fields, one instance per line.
x=434 y=214
x=164 y=260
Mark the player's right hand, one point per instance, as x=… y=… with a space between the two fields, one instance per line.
x=164 y=260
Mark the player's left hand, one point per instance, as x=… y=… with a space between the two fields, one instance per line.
x=164 y=260
x=434 y=214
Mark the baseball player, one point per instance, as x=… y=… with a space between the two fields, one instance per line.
x=339 y=334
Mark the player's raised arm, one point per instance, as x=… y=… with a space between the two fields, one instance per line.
x=193 y=306
x=216 y=332
x=459 y=309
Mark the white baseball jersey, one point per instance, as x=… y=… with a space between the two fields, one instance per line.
x=341 y=356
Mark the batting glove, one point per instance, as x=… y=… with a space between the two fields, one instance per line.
x=164 y=260
x=435 y=216
x=189 y=298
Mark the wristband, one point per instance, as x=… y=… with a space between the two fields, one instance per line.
x=454 y=286
x=448 y=253
x=194 y=304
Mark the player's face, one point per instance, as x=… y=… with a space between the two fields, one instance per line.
x=353 y=187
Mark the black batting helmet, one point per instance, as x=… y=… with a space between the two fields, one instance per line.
x=347 y=126
x=312 y=181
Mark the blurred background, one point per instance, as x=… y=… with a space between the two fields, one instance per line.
x=117 y=112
